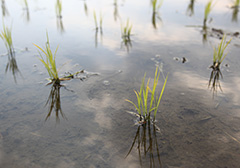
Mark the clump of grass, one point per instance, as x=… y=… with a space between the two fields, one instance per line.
x=208 y=9
x=236 y=3
x=49 y=62
x=96 y=22
x=218 y=54
x=6 y=36
x=218 y=57
x=156 y=4
x=126 y=30
x=58 y=8
x=147 y=99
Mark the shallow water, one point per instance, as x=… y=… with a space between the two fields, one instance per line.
x=199 y=127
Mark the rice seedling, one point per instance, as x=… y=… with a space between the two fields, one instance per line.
x=156 y=4
x=126 y=30
x=218 y=57
x=6 y=36
x=27 y=17
x=147 y=99
x=58 y=8
x=208 y=9
x=236 y=3
x=218 y=54
x=96 y=22
x=49 y=62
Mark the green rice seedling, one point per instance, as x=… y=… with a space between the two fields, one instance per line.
x=126 y=30
x=147 y=99
x=96 y=22
x=58 y=8
x=208 y=9
x=156 y=4
x=218 y=54
x=26 y=3
x=236 y=3
x=218 y=57
x=49 y=62
x=6 y=36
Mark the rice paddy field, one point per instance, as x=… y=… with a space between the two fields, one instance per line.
x=104 y=49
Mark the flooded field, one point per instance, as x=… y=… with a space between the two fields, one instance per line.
x=104 y=49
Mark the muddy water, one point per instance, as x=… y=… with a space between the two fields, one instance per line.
x=198 y=127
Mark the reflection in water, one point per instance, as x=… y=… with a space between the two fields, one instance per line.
x=98 y=27
x=214 y=81
x=115 y=13
x=204 y=33
x=12 y=65
x=58 y=10
x=235 y=13
x=147 y=144
x=126 y=41
x=85 y=8
x=96 y=36
x=4 y=9
x=60 y=26
x=155 y=14
x=54 y=101
x=190 y=8
x=27 y=17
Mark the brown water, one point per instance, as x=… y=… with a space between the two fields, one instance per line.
x=198 y=127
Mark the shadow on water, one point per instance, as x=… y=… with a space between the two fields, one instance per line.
x=190 y=8
x=4 y=9
x=147 y=145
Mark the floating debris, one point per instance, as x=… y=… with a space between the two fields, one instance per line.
x=184 y=60
x=106 y=82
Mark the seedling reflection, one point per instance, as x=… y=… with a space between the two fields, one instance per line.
x=4 y=9
x=235 y=8
x=156 y=5
x=190 y=8
x=126 y=35
x=54 y=102
x=147 y=144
